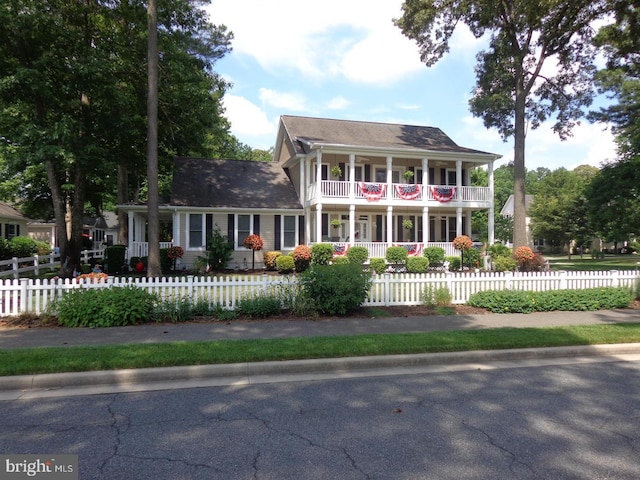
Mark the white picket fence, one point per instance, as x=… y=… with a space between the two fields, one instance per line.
x=35 y=295
x=40 y=263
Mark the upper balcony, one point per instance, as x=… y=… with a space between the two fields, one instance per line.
x=397 y=194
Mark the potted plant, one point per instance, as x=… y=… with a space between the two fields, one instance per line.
x=336 y=171
x=335 y=223
x=407 y=224
x=408 y=175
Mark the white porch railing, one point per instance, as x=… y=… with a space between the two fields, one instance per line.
x=141 y=249
x=29 y=295
x=407 y=192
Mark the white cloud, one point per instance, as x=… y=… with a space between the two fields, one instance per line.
x=246 y=118
x=320 y=39
x=337 y=103
x=285 y=101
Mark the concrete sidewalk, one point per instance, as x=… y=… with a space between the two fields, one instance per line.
x=33 y=386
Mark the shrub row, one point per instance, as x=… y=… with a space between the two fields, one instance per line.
x=22 y=247
x=524 y=301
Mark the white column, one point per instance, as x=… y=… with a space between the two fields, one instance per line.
x=390 y=231
x=176 y=229
x=318 y=175
x=425 y=224
x=352 y=176
x=303 y=183
x=352 y=224
x=318 y=222
x=130 y=229
x=307 y=225
x=458 y=221
x=459 y=179
x=492 y=224
x=389 y=177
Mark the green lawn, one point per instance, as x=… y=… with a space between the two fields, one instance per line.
x=107 y=357
x=609 y=262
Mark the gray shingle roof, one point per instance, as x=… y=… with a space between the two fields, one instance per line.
x=305 y=130
x=8 y=211
x=201 y=182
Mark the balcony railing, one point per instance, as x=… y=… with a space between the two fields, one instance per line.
x=403 y=192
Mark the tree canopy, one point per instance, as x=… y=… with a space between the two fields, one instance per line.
x=73 y=98
x=513 y=87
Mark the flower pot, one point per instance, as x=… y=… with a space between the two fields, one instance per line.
x=139 y=267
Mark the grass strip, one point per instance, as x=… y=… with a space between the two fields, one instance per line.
x=108 y=357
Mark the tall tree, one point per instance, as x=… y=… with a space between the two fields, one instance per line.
x=558 y=213
x=512 y=87
x=153 y=198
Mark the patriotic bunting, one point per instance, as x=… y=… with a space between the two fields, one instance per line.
x=443 y=194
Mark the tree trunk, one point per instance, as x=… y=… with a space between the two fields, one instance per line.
x=60 y=213
x=123 y=198
x=153 y=200
x=519 y=171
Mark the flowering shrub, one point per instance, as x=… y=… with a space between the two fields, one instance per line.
x=302 y=257
x=92 y=277
x=270 y=259
x=462 y=242
x=523 y=254
x=175 y=252
x=253 y=242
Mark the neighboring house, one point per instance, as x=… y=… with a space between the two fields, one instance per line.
x=297 y=198
x=12 y=222
x=507 y=211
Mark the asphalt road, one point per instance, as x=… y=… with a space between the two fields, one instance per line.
x=579 y=421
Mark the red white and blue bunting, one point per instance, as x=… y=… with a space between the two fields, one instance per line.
x=443 y=194
x=408 y=192
x=413 y=249
x=373 y=191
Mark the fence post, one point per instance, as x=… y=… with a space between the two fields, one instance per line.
x=14 y=267
x=36 y=264
x=615 y=278
x=387 y=289
x=508 y=283
x=190 y=289
x=24 y=295
x=563 y=280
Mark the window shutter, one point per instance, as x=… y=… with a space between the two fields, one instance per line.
x=399 y=227
x=432 y=176
x=256 y=224
x=342 y=169
x=325 y=225
x=443 y=176
x=301 y=239
x=208 y=226
x=277 y=244
x=378 y=228
x=231 y=227
x=367 y=173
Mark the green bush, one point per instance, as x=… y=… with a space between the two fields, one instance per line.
x=433 y=296
x=166 y=264
x=417 y=264
x=43 y=248
x=285 y=264
x=259 y=306
x=321 y=253
x=341 y=260
x=396 y=255
x=357 y=254
x=336 y=289
x=378 y=265
x=5 y=249
x=177 y=311
x=105 y=307
x=472 y=258
x=504 y=264
x=454 y=263
x=22 y=247
x=115 y=258
x=435 y=255
x=498 y=250
x=219 y=251
x=519 y=301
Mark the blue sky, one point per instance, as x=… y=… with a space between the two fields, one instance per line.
x=346 y=60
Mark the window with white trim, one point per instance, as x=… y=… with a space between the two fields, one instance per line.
x=289 y=231
x=196 y=230
x=244 y=224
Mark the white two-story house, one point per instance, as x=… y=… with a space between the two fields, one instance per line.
x=339 y=181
